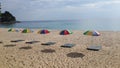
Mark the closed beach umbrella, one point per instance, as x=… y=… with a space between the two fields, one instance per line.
x=27 y=31
x=45 y=31
x=65 y=32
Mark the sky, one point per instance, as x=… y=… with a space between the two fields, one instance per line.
x=28 y=10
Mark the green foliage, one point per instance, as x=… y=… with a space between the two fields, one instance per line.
x=7 y=17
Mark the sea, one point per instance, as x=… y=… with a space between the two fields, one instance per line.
x=83 y=24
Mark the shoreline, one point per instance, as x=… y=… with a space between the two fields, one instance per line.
x=64 y=29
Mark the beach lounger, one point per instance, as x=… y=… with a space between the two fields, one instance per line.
x=94 y=48
x=48 y=43
x=68 y=45
x=31 y=42
x=16 y=40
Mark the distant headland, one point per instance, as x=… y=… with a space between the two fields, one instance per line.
x=7 y=18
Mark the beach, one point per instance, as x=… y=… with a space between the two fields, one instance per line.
x=55 y=56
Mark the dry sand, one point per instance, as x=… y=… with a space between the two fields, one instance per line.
x=40 y=56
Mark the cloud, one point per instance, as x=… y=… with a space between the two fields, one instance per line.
x=59 y=9
x=50 y=4
x=101 y=4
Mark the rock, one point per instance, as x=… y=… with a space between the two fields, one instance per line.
x=7 y=18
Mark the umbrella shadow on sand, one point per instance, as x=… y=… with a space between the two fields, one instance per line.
x=10 y=45
x=1 y=42
x=75 y=55
x=48 y=50
x=26 y=48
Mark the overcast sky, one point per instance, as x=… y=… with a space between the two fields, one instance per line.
x=61 y=9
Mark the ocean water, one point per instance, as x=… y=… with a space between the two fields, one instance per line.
x=84 y=24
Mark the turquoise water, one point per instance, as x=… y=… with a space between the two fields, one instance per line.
x=86 y=24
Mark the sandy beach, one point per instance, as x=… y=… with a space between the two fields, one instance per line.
x=15 y=55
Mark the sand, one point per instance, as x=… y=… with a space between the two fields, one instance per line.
x=16 y=55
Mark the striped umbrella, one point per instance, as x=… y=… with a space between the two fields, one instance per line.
x=65 y=32
x=13 y=30
x=92 y=33
x=44 y=31
x=27 y=31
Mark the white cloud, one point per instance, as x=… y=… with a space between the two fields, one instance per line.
x=101 y=4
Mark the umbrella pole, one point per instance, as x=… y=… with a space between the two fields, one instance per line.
x=92 y=41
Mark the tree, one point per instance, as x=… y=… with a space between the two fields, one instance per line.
x=7 y=17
